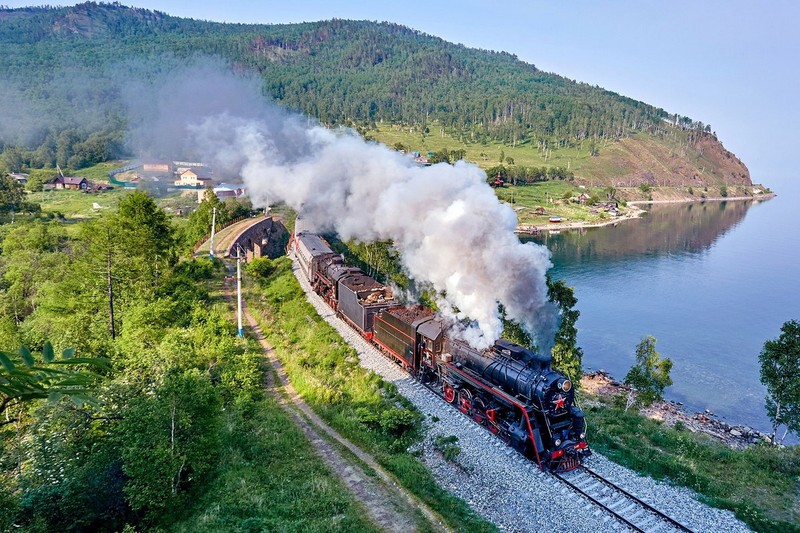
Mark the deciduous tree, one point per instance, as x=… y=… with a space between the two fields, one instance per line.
x=780 y=373
x=24 y=378
x=567 y=355
x=649 y=376
x=170 y=440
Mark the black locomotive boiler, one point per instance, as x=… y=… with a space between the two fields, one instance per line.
x=510 y=390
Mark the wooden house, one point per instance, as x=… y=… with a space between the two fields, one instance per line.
x=69 y=182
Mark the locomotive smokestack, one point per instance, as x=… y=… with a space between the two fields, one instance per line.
x=445 y=220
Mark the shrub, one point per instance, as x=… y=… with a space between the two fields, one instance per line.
x=395 y=421
x=645 y=188
x=368 y=418
x=447 y=445
x=690 y=190
x=723 y=191
x=260 y=267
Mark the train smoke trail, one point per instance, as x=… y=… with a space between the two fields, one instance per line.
x=446 y=222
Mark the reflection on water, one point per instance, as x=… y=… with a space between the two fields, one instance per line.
x=710 y=281
x=664 y=229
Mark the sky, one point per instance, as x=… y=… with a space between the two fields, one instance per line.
x=732 y=64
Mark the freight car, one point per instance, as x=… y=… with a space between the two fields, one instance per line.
x=510 y=390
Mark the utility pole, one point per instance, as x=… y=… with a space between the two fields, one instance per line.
x=213 y=228
x=239 y=287
x=110 y=287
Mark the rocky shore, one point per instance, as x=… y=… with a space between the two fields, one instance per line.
x=600 y=384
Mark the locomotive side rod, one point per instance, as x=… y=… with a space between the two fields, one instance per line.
x=627 y=521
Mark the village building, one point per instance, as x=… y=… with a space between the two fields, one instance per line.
x=163 y=167
x=223 y=191
x=199 y=177
x=19 y=177
x=69 y=182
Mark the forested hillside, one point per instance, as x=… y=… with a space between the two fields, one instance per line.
x=68 y=71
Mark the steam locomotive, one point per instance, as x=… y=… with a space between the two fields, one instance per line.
x=510 y=390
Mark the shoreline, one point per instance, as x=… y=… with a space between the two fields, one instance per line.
x=765 y=196
x=600 y=383
x=634 y=212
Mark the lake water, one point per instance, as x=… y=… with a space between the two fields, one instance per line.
x=710 y=281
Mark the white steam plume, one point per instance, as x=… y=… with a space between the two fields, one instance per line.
x=446 y=222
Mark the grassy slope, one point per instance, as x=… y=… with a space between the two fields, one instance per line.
x=269 y=478
x=663 y=156
x=486 y=155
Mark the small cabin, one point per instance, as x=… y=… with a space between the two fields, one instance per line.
x=69 y=182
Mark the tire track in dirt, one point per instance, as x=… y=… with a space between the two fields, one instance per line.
x=390 y=506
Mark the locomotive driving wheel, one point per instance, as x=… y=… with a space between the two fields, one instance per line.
x=479 y=410
x=465 y=401
x=449 y=393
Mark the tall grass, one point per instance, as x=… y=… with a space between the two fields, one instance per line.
x=270 y=478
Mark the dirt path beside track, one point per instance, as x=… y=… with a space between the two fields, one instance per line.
x=390 y=506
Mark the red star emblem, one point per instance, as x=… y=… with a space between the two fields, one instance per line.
x=560 y=401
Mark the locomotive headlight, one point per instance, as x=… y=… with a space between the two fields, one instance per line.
x=565 y=385
x=583 y=435
x=558 y=442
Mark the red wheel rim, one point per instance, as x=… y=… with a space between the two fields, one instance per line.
x=449 y=394
x=465 y=401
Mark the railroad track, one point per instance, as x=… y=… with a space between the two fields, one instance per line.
x=621 y=504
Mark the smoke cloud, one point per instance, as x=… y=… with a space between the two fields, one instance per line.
x=449 y=227
x=445 y=221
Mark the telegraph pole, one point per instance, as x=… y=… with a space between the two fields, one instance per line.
x=213 y=228
x=239 y=287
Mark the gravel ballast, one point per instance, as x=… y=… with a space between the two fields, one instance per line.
x=500 y=484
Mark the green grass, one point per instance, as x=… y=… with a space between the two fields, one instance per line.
x=486 y=155
x=269 y=478
x=525 y=198
x=74 y=204
x=326 y=373
x=549 y=195
x=760 y=484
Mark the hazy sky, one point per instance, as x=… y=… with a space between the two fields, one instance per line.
x=729 y=63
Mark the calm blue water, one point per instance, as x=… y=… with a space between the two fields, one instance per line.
x=710 y=281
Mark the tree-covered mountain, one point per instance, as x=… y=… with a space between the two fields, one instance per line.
x=66 y=68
